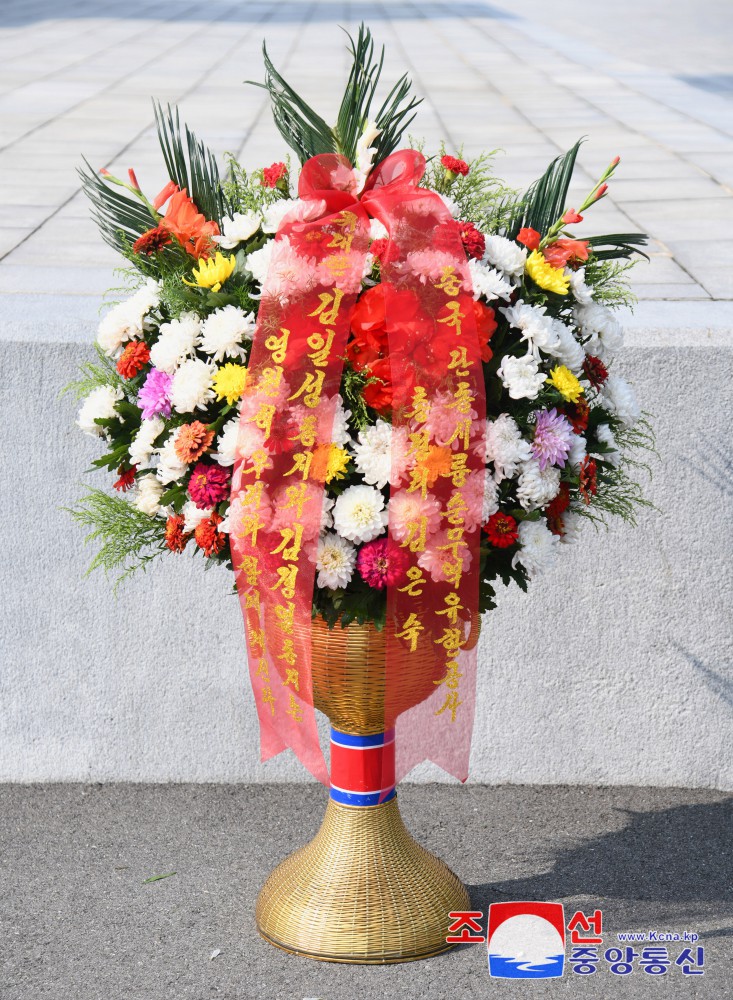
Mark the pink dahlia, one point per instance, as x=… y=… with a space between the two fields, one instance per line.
x=382 y=563
x=153 y=397
x=208 y=485
x=553 y=437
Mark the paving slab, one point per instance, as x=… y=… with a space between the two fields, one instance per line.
x=79 y=922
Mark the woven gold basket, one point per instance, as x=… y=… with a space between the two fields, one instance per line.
x=362 y=891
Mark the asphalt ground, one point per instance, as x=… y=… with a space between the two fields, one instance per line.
x=79 y=922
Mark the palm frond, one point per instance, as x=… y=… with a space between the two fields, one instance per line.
x=617 y=245
x=308 y=133
x=545 y=199
x=190 y=163
x=120 y=216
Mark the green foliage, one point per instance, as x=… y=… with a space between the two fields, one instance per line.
x=190 y=164
x=93 y=374
x=121 y=217
x=480 y=195
x=130 y=538
x=245 y=191
x=308 y=134
x=608 y=279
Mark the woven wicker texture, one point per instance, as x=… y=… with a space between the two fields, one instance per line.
x=363 y=891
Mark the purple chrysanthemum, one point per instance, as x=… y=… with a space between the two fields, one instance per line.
x=153 y=397
x=553 y=436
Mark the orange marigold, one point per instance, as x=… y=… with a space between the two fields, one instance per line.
x=207 y=537
x=133 y=359
x=175 y=536
x=192 y=441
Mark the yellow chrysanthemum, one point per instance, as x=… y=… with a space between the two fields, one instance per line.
x=212 y=273
x=545 y=275
x=229 y=382
x=329 y=462
x=566 y=383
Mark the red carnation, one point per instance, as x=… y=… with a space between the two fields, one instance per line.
x=577 y=414
x=455 y=166
x=385 y=251
x=588 y=482
x=502 y=530
x=595 y=371
x=209 y=484
x=273 y=174
x=175 y=536
x=133 y=359
x=207 y=537
x=152 y=241
x=529 y=237
x=474 y=241
x=127 y=478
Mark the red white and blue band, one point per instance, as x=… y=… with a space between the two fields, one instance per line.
x=362 y=768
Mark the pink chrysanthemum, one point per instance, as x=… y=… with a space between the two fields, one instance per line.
x=153 y=397
x=382 y=563
x=553 y=437
x=208 y=485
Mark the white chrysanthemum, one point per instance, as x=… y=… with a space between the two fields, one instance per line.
x=581 y=292
x=170 y=467
x=377 y=230
x=191 y=386
x=491 y=497
x=538 y=547
x=237 y=229
x=488 y=283
x=521 y=376
x=535 y=486
x=505 y=446
x=223 y=331
x=536 y=327
x=410 y=513
x=577 y=451
x=326 y=508
x=176 y=341
x=142 y=445
x=359 y=514
x=335 y=561
x=571 y=527
x=606 y=436
x=149 y=492
x=128 y=319
x=258 y=262
x=193 y=515
x=297 y=209
x=618 y=396
x=567 y=350
x=226 y=443
x=506 y=255
x=275 y=213
x=98 y=405
x=603 y=330
x=340 y=428
x=373 y=453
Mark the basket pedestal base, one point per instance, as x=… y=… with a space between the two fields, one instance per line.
x=363 y=891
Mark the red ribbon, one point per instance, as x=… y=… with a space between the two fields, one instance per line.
x=438 y=415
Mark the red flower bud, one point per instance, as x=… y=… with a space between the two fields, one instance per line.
x=601 y=191
x=615 y=161
x=571 y=217
x=133 y=179
x=104 y=172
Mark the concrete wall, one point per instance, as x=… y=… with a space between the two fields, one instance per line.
x=614 y=669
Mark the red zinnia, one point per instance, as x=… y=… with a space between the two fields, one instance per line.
x=207 y=537
x=454 y=166
x=127 y=478
x=588 y=482
x=474 y=241
x=152 y=241
x=502 y=530
x=175 y=536
x=529 y=237
x=595 y=371
x=271 y=175
x=577 y=414
x=133 y=359
x=209 y=484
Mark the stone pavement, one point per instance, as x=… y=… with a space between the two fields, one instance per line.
x=78 y=922
x=649 y=82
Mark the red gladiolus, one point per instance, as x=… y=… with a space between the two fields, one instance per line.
x=133 y=359
x=188 y=225
x=127 y=478
x=502 y=530
x=170 y=189
x=133 y=179
x=485 y=328
x=271 y=175
x=595 y=371
x=454 y=166
x=529 y=237
x=561 y=251
x=601 y=191
x=571 y=217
